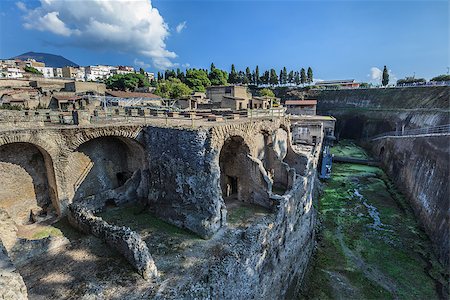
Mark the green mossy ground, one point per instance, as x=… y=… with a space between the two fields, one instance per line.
x=393 y=260
x=140 y=220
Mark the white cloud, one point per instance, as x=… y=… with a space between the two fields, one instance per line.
x=132 y=26
x=20 y=5
x=141 y=64
x=376 y=75
x=186 y=65
x=180 y=27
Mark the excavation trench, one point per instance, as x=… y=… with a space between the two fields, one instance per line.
x=370 y=243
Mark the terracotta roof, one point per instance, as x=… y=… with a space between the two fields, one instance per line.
x=122 y=94
x=67 y=98
x=301 y=102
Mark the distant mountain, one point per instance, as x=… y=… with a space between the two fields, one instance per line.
x=50 y=60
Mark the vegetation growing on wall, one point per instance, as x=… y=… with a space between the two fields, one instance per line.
x=32 y=70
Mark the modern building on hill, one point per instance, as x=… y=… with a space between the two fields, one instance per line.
x=75 y=73
x=122 y=70
x=47 y=72
x=33 y=63
x=57 y=72
x=11 y=73
x=301 y=107
x=345 y=83
x=99 y=72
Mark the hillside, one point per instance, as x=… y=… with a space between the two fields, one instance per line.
x=50 y=60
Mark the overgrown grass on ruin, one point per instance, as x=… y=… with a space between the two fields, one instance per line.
x=141 y=220
x=245 y=213
x=398 y=251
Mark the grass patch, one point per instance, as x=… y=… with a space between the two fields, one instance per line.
x=245 y=212
x=46 y=231
x=139 y=220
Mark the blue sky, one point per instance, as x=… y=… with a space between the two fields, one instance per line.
x=338 y=39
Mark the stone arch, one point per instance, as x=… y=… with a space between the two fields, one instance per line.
x=241 y=177
x=28 y=182
x=103 y=163
x=81 y=137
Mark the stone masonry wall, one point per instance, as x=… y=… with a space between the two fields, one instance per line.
x=420 y=167
x=263 y=260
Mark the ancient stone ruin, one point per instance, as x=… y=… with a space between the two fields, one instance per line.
x=198 y=179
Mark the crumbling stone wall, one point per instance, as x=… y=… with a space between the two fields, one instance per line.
x=12 y=286
x=264 y=260
x=123 y=239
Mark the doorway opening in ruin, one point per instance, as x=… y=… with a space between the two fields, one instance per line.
x=28 y=193
x=381 y=152
x=104 y=163
x=234 y=169
x=231 y=186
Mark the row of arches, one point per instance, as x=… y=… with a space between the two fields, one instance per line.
x=248 y=173
x=29 y=187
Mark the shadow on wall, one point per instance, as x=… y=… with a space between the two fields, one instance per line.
x=27 y=182
x=103 y=164
x=359 y=127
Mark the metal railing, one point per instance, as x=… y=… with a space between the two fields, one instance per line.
x=442 y=129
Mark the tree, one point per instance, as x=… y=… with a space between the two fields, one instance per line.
x=297 y=78
x=141 y=71
x=266 y=93
x=257 y=75
x=233 y=78
x=302 y=76
x=160 y=76
x=212 y=67
x=127 y=82
x=291 y=77
x=172 y=88
x=310 y=75
x=409 y=80
x=218 y=77
x=248 y=74
x=385 y=79
x=444 y=77
x=197 y=80
x=284 y=76
x=180 y=75
x=273 y=78
x=280 y=78
x=266 y=77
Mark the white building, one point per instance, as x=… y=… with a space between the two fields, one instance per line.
x=80 y=74
x=57 y=72
x=47 y=72
x=99 y=72
x=150 y=76
x=11 y=73
x=121 y=70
